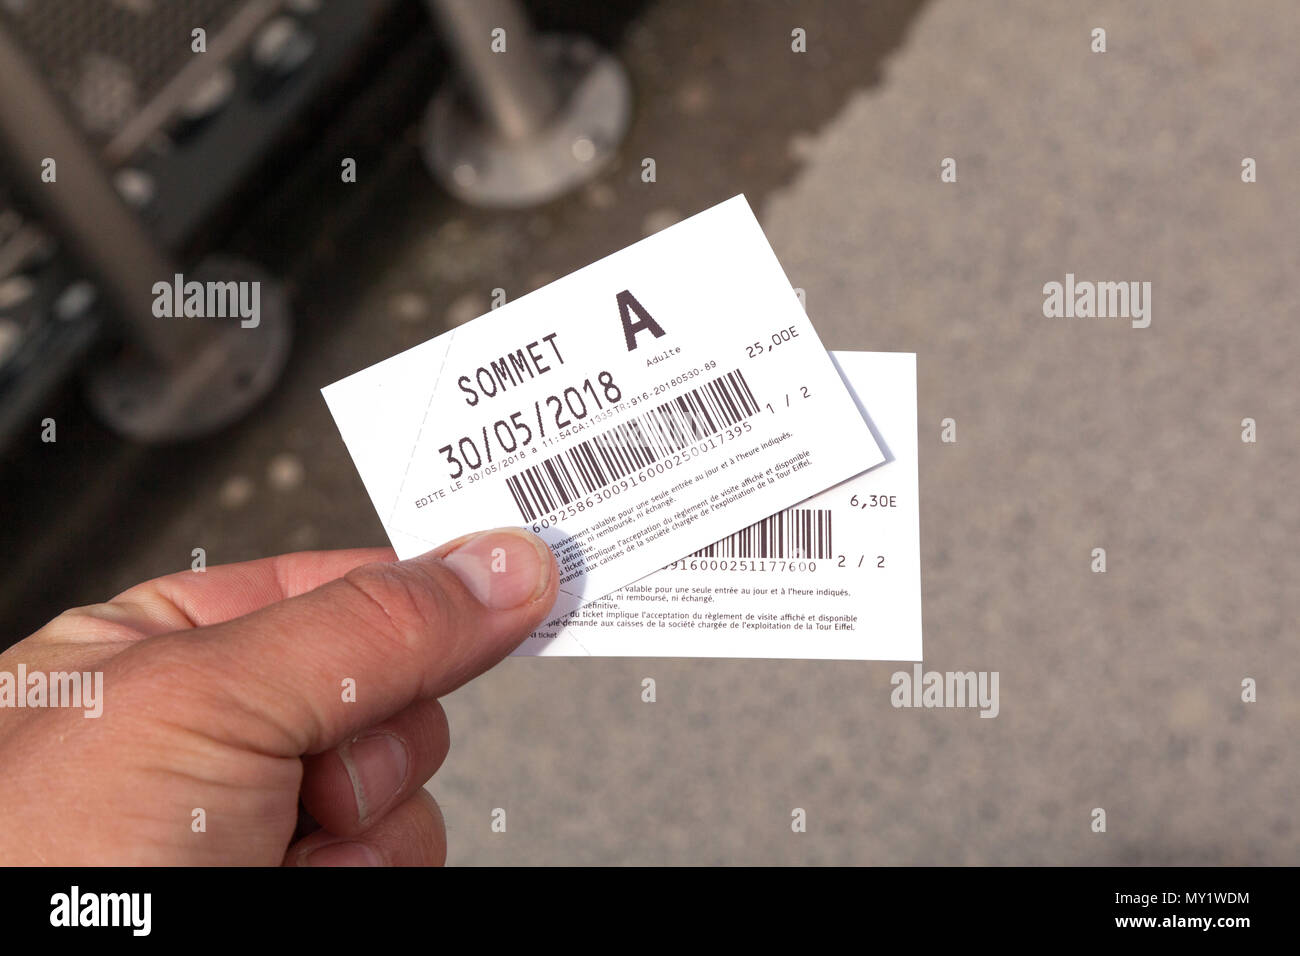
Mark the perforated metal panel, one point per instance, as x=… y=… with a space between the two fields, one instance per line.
x=107 y=58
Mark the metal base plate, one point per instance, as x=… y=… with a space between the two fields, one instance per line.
x=481 y=168
x=230 y=372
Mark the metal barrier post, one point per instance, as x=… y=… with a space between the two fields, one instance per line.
x=179 y=377
x=528 y=117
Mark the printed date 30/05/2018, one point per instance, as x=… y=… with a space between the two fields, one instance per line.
x=515 y=431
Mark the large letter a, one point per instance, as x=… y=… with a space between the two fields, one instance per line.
x=627 y=303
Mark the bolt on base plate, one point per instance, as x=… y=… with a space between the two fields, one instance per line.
x=480 y=167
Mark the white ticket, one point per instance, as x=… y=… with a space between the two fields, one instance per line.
x=838 y=576
x=629 y=413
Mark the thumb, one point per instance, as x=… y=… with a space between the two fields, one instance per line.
x=305 y=674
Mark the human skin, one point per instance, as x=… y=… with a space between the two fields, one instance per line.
x=225 y=691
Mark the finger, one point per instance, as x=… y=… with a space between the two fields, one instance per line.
x=413 y=834
x=224 y=592
x=350 y=788
x=303 y=675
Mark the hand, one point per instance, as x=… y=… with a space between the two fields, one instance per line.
x=225 y=699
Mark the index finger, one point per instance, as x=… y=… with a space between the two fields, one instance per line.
x=224 y=592
x=305 y=674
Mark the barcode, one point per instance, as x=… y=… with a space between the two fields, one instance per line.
x=636 y=443
x=793 y=533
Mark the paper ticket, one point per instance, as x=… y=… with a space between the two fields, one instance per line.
x=630 y=413
x=837 y=576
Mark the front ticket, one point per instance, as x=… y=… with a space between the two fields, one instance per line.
x=630 y=413
x=838 y=576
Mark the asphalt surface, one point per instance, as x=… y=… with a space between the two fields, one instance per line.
x=1119 y=690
